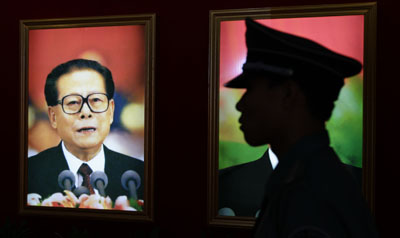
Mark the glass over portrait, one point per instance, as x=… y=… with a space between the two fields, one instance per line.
x=241 y=169
x=89 y=124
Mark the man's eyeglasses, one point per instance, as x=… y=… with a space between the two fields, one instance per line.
x=73 y=103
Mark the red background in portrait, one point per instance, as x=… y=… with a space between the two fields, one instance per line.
x=120 y=48
x=342 y=34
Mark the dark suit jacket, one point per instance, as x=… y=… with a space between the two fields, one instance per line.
x=44 y=168
x=241 y=187
x=312 y=194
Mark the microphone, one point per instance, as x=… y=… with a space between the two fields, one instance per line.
x=226 y=211
x=66 y=180
x=99 y=181
x=81 y=190
x=130 y=181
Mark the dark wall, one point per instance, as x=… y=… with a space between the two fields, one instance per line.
x=181 y=113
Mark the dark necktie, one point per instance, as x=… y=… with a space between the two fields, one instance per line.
x=85 y=171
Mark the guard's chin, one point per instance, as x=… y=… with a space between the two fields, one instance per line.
x=253 y=141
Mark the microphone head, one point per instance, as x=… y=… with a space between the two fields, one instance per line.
x=66 y=174
x=81 y=190
x=128 y=176
x=226 y=211
x=98 y=175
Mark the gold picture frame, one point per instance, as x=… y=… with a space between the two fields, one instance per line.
x=368 y=12
x=117 y=35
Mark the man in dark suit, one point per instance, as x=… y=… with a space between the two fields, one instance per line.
x=291 y=85
x=241 y=187
x=79 y=95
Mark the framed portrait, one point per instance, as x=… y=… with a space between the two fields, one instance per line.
x=349 y=29
x=87 y=117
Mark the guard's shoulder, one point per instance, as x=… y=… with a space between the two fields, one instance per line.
x=327 y=176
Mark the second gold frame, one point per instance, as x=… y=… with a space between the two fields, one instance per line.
x=227 y=54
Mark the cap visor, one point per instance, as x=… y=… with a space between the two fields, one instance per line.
x=237 y=82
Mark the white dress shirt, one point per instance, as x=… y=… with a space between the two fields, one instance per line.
x=97 y=163
x=272 y=157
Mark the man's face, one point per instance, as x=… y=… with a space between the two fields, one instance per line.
x=85 y=130
x=262 y=111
